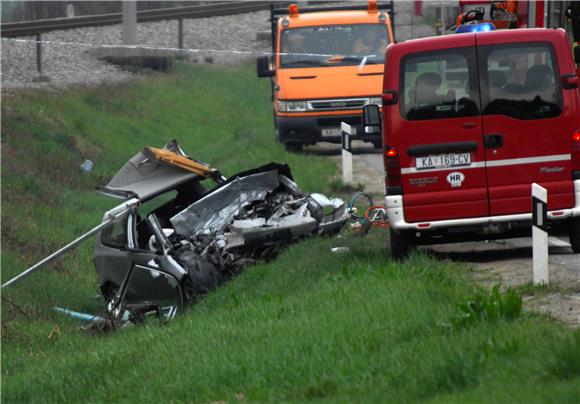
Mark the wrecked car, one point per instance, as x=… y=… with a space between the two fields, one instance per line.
x=188 y=229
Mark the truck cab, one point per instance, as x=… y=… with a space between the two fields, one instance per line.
x=328 y=64
x=470 y=121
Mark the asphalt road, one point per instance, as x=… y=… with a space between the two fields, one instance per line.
x=560 y=252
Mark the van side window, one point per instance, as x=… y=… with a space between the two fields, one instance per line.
x=520 y=81
x=439 y=85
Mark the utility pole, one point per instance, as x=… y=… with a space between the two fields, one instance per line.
x=129 y=22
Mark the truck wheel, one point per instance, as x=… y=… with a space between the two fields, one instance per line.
x=293 y=147
x=574 y=231
x=401 y=244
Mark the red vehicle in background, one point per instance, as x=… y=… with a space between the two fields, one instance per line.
x=469 y=122
x=524 y=14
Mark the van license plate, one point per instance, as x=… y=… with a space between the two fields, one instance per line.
x=443 y=160
x=330 y=132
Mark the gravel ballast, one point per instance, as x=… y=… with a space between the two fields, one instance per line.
x=66 y=57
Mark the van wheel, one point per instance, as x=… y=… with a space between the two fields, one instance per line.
x=401 y=244
x=293 y=147
x=574 y=232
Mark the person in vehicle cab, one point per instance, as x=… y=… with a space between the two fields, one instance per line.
x=294 y=44
x=370 y=43
x=539 y=82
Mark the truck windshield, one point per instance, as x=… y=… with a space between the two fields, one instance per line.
x=333 y=45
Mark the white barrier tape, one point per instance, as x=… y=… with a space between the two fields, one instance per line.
x=169 y=49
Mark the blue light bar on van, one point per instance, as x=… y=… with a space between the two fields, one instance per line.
x=483 y=27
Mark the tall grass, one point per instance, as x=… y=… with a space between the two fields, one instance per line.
x=311 y=325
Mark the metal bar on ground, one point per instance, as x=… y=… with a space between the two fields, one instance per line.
x=540 y=234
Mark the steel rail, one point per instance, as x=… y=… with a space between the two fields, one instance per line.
x=29 y=28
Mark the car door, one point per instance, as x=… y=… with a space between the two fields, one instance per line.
x=437 y=131
x=527 y=129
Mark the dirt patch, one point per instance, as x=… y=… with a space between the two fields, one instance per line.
x=491 y=262
x=500 y=262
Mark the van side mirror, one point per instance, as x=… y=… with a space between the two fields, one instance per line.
x=263 y=67
x=371 y=118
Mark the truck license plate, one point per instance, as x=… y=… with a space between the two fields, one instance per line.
x=443 y=160
x=330 y=132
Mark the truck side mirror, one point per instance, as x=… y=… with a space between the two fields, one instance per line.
x=263 y=65
x=371 y=118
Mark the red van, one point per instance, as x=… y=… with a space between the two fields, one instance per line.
x=470 y=121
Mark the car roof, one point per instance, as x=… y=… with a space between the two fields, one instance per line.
x=145 y=177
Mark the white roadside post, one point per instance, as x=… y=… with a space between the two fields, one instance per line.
x=346 y=132
x=539 y=234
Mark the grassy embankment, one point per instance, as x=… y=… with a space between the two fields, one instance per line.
x=309 y=325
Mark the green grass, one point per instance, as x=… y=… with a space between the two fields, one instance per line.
x=310 y=325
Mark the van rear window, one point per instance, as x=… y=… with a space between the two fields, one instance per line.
x=439 y=85
x=520 y=81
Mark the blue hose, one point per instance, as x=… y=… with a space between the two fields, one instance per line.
x=77 y=315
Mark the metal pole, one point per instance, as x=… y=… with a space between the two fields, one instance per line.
x=57 y=254
x=129 y=22
x=39 y=54
x=180 y=32
x=110 y=217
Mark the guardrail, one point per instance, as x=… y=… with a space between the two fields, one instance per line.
x=29 y=28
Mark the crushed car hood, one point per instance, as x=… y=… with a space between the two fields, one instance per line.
x=152 y=172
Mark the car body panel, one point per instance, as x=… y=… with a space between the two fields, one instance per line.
x=145 y=177
x=201 y=237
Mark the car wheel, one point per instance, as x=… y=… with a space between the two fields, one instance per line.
x=293 y=147
x=401 y=244
x=277 y=135
x=574 y=232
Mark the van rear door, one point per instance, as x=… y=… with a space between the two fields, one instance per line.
x=526 y=125
x=438 y=130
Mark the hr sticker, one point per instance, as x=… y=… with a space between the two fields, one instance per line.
x=455 y=179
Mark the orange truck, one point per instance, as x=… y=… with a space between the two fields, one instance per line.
x=327 y=64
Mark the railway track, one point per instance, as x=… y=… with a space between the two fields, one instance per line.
x=36 y=27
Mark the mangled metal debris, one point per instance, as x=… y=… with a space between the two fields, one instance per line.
x=159 y=259
x=184 y=229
